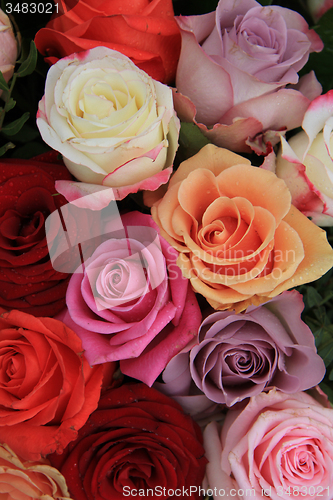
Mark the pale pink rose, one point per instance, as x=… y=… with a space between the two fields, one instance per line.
x=113 y=124
x=24 y=480
x=132 y=303
x=237 y=76
x=319 y=7
x=278 y=447
x=8 y=47
x=305 y=162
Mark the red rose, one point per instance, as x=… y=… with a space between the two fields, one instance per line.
x=27 y=196
x=143 y=30
x=136 y=443
x=48 y=389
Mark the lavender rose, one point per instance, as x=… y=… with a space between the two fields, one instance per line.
x=249 y=54
x=132 y=303
x=240 y=355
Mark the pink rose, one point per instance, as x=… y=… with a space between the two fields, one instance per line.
x=319 y=7
x=248 y=54
x=279 y=447
x=132 y=303
x=305 y=162
x=8 y=47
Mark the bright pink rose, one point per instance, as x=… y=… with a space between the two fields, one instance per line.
x=279 y=446
x=132 y=303
x=234 y=67
x=305 y=162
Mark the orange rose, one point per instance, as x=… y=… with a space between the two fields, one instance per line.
x=240 y=240
x=48 y=389
x=29 y=480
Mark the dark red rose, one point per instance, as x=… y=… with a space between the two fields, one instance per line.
x=143 y=30
x=138 y=439
x=27 y=196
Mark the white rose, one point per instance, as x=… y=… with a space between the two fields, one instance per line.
x=114 y=125
x=305 y=162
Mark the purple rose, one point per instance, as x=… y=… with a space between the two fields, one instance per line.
x=240 y=355
x=248 y=54
x=132 y=304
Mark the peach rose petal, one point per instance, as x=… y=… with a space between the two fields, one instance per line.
x=240 y=241
x=317 y=251
x=166 y=208
x=250 y=244
x=199 y=191
x=210 y=158
x=246 y=186
x=289 y=248
x=232 y=275
x=215 y=296
x=36 y=480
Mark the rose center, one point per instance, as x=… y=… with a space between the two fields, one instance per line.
x=116 y=276
x=301 y=461
x=245 y=363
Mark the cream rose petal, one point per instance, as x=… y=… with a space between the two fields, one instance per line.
x=102 y=113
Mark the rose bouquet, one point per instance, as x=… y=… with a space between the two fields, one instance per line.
x=166 y=287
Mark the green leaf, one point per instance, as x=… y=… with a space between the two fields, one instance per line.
x=330 y=377
x=320 y=314
x=16 y=125
x=327 y=390
x=3 y=83
x=321 y=62
x=10 y=104
x=318 y=335
x=326 y=352
x=313 y=297
x=29 y=65
x=192 y=138
x=29 y=150
x=26 y=134
x=5 y=148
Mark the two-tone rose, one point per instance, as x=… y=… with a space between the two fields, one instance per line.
x=113 y=124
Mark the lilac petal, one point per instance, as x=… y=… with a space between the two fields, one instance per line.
x=297 y=22
x=176 y=375
x=270 y=110
x=191 y=77
x=309 y=86
x=228 y=10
